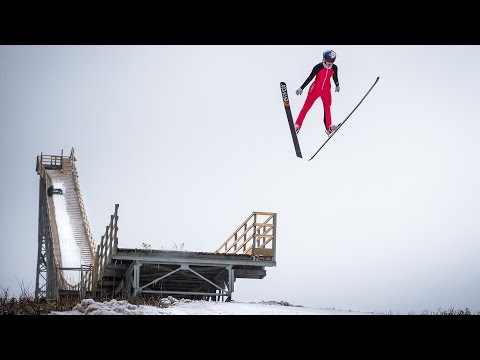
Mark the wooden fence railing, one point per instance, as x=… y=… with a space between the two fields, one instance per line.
x=48 y=162
x=255 y=236
x=84 y=215
x=107 y=248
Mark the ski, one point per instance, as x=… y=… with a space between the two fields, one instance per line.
x=343 y=122
x=286 y=104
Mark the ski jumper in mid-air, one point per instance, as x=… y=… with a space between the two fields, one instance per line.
x=320 y=88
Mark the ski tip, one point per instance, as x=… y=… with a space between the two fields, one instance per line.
x=282 y=83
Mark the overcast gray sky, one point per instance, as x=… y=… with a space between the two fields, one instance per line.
x=189 y=140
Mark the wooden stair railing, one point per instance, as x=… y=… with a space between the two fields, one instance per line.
x=255 y=236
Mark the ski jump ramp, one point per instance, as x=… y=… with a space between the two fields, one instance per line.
x=65 y=243
x=69 y=261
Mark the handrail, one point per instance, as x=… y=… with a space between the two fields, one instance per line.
x=106 y=249
x=91 y=242
x=83 y=212
x=253 y=236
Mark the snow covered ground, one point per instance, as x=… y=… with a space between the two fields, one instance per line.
x=189 y=307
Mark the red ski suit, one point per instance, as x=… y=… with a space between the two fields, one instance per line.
x=320 y=88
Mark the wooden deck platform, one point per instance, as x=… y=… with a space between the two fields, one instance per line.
x=183 y=274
